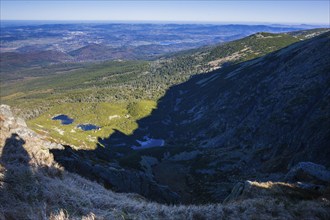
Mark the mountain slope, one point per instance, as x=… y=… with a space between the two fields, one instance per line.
x=12 y=60
x=253 y=120
x=99 y=52
x=247 y=48
x=274 y=100
x=149 y=82
x=34 y=186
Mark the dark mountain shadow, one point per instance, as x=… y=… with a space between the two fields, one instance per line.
x=19 y=182
x=165 y=121
x=116 y=140
x=13 y=153
x=23 y=190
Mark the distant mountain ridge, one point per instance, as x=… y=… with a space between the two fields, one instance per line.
x=99 y=42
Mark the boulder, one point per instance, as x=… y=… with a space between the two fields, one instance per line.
x=309 y=172
x=123 y=180
x=6 y=111
x=238 y=190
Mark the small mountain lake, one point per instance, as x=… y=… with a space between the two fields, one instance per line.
x=88 y=127
x=65 y=120
x=149 y=143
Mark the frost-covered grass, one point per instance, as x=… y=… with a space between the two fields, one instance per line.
x=69 y=196
x=34 y=186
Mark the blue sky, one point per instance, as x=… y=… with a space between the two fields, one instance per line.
x=195 y=11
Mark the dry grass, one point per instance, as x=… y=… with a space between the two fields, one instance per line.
x=269 y=184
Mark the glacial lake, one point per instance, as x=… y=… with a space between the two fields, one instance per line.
x=65 y=120
x=149 y=143
x=88 y=127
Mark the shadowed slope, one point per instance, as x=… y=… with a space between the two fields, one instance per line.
x=276 y=106
x=253 y=120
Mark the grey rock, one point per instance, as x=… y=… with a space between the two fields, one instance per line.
x=6 y=111
x=311 y=187
x=21 y=122
x=12 y=125
x=147 y=163
x=132 y=181
x=308 y=171
x=238 y=190
x=112 y=177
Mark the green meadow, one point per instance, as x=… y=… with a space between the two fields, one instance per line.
x=108 y=116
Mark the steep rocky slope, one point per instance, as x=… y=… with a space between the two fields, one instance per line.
x=34 y=186
x=277 y=105
x=253 y=120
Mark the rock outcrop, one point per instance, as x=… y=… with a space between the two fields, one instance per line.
x=13 y=126
x=280 y=190
x=112 y=176
x=309 y=172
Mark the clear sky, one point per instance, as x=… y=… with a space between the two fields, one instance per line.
x=294 y=11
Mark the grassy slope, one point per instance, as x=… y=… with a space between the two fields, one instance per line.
x=108 y=116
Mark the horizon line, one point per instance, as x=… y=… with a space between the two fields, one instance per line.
x=167 y=21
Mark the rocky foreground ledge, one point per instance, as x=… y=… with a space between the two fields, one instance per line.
x=15 y=125
x=34 y=186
